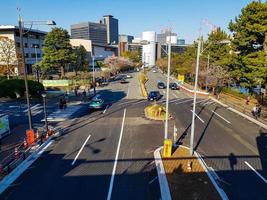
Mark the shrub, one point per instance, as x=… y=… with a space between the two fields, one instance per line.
x=10 y=87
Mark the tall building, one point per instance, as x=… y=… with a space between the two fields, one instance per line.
x=96 y=32
x=149 y=50
x=161 y=37
x=124 y=40
x=112 y=26
x=33 y=42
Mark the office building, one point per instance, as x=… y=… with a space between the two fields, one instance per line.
x=112 y=26
x=33 y=42
x=149 y=50
x=96 y=32
x=124 y=40
x=161 y=37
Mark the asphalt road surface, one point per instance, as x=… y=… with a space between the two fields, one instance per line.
x=235 y=148
x=105 y=154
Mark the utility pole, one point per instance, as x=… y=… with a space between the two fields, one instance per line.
x=208 y=65
x=194 y=102
x=25 y=71
x=36 y=60
x=93 y=59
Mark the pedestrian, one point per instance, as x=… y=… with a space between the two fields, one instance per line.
x=64 y=103
x=84 y=95
x=255 y=111
x=259 y=111
x=76 y=91
x=247 y=100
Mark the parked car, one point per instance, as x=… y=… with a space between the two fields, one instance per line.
x=96 y=103
x=154 y=95
x=174 y=86
x=161 y=85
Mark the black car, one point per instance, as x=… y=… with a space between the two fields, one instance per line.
x=174 y=86
x=161 y=85
x=153 y=95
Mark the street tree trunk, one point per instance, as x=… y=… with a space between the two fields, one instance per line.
x=62 y=71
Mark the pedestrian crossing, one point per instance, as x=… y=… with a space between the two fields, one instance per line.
x=62 y=115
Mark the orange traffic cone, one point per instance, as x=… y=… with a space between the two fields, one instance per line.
x=189 y=165
x=16 y=153
x=25 y=143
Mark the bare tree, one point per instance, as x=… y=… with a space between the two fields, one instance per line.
x=117 y=63
x=8 y=58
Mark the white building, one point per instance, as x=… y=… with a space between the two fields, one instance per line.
x=149 y=50
x=33 y=42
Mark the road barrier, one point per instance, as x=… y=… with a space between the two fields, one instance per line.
x=20 y=153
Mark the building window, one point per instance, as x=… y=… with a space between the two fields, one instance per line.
x=38 y=55
x=26 y=55
x=25 y=45
x=17 y=44
x=33 y=55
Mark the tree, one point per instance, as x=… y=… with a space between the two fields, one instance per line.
x=116 y=64
x=57 y=51
x=80 y=59
x=132 y=56
x=8 y=57
x=250 y=43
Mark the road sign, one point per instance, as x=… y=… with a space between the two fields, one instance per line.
x=30 y=137
x=167 y=149
x=180 y=78
x=4 y=125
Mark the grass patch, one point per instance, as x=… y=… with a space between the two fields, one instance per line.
x=155 y=112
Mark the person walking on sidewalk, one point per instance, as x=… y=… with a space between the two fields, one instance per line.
x=247 y=100
x=259 y=111
x=255 y=111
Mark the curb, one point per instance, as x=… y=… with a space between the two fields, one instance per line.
x=163 y=183
x=240 y=113
x=213 y=180
x=9 y=179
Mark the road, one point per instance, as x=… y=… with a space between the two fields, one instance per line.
x=231 y=145
x=100 y=156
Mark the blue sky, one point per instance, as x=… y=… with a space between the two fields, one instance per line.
x=135 y=16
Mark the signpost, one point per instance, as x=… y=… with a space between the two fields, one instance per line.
x=167 y=149
x=4 y=125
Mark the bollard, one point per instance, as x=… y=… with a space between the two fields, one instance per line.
x=189 y=166
x=25 y=143
x=16 y=153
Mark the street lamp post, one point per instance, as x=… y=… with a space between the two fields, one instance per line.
x=45 y=114
x=25 y=72
x=195 y=91
x=36 y=60
x=194 y=102
x=21 y=26
x=167 y=90
x=93 y=59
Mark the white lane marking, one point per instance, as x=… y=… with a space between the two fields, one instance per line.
x=221 y=117
x=265 y=181
x=175 y=95
x=184 y=101
x=198 y=117
x=73 y=162
x=152 y=180
x=105 y=109
x=116 y=159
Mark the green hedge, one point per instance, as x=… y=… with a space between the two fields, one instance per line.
x=234 y=92
x=9 y=87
